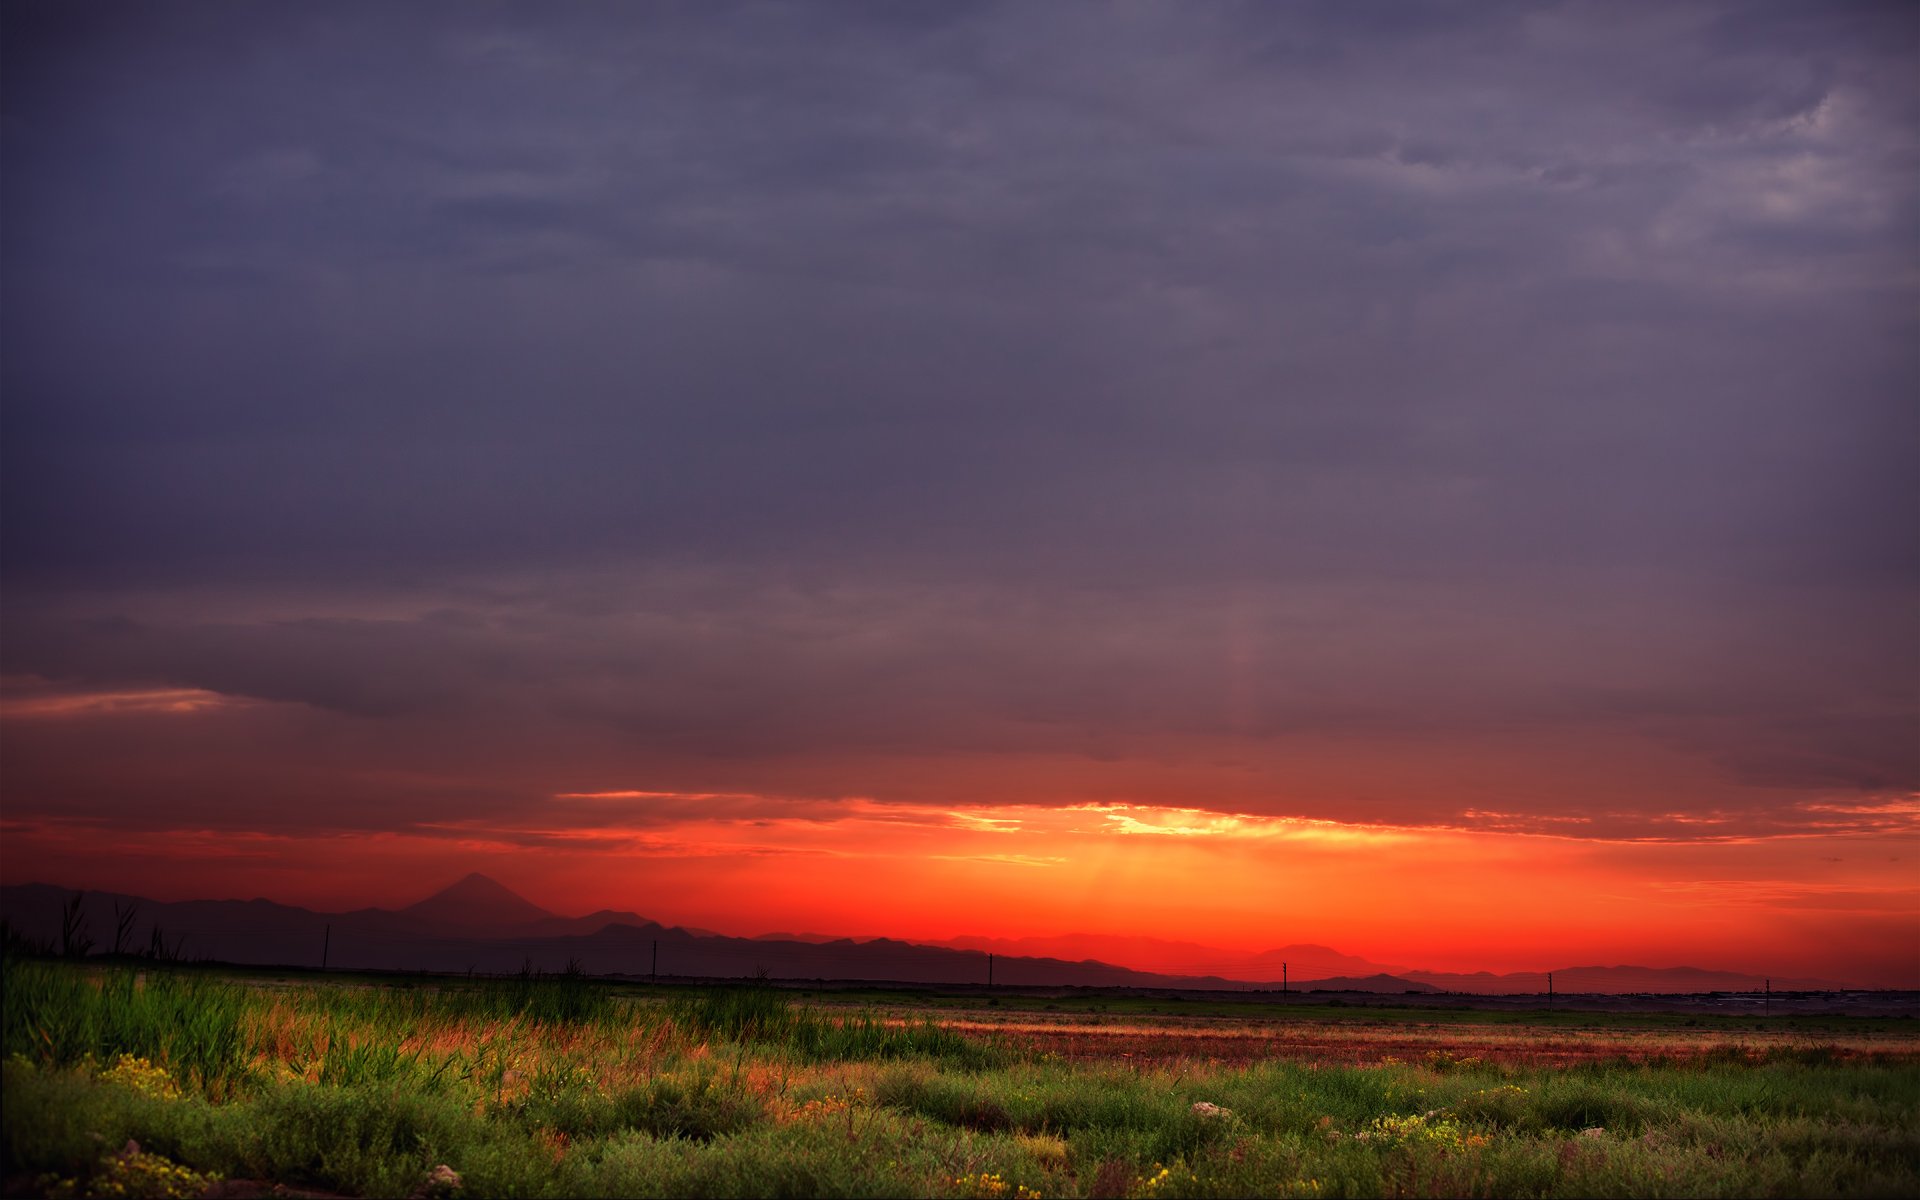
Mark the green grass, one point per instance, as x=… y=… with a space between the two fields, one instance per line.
x=766 y=1017
x=582 y=1090
x=62 y=1016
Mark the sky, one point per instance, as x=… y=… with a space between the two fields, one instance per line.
x=1433 y=480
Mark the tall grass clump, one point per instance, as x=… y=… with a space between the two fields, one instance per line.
x=760 y=1014
x=865 y=1036
x=756 y=1013
x=566 y=997
x=60 y=1015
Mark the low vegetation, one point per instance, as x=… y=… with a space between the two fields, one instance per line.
x=166 y=1082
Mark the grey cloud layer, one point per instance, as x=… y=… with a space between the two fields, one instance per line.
x=1390 y=704
x=1591 y=324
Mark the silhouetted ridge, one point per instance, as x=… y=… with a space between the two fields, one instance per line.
x=479 y=925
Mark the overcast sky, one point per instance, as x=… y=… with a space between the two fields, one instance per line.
x=1489 y=416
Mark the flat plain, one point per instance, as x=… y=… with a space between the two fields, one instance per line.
x=171 y=1081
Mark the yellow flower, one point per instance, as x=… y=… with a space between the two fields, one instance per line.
x=144 y=1077
x=133 y=1172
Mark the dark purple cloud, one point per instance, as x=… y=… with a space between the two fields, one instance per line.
x=734 y=384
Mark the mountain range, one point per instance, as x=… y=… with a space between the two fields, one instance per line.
x=477 y=924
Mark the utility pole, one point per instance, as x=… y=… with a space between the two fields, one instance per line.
x=1766 y=1003
x=1549 y=989
x=326 y=944
x=989 y=968
x=653 y=972
x=1283 y=979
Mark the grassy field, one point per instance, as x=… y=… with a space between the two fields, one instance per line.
x=181 y=1083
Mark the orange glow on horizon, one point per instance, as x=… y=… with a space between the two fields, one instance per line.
x=1411 y=897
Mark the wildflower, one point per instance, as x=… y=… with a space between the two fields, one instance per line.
x=142 y=1076
x=1443 y=1133
x=982 y=1185
x=990 y=1185
x=134 y=1172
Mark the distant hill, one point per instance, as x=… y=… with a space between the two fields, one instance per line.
x=1303 y=962
x=593 y=922
x=1615 y=981
x=1370 y=983
x=1309 y=961
x=478 y=924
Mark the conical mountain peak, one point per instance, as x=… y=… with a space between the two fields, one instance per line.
x=477 y=903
